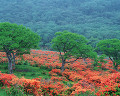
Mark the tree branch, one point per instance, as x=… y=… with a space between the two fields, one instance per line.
x=110 y=58
x=74 y=60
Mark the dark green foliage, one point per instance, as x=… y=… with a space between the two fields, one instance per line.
x=72 y=45
x=2 y=92
x=102 y=57
x=16 y=40
x=111 y=48
x=17 y=37
x=118 y=91
x=98 y=61
x=95 y=19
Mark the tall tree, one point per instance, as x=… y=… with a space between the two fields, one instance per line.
x=72 y=45
x=16 y=39
x=111 y=48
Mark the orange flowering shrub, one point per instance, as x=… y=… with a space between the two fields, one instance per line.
x=109 y=91
x=110 y=84
x=53 y=78
x=37 y=86
x=119 y=67
x=80 y=73
x=3 y=57
x=2 y=54
x=30 y=86
x=3 y=60
x=53 y=74
x=52 y=88
x=58 y=71
x=78 y=90
x=5 y=79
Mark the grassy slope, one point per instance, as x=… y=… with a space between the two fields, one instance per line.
x=27 y=71
x=2 y=92
x=30 y=72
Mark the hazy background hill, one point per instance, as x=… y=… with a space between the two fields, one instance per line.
x=95 y=19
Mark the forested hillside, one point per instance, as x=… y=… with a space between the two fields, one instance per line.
x=95 y=19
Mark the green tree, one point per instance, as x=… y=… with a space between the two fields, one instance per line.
x=111 y=48
x=16 y=39
x=72 y=45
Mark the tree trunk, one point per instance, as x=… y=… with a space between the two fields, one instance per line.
x=13 y=60
x=9 y=56
x=63 y=64
x=9 y=62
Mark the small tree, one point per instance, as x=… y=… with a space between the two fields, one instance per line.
x=16 y=39
x=111 y=48
x=71 y=44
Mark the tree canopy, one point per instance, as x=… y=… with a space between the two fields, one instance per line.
x=16 y=39
x=111 y=48
x=71 y=44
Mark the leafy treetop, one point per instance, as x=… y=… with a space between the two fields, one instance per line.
x=16 y=39
x=71 y=44
x=111 y=48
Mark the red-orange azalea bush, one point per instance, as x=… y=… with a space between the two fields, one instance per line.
x=80 y=73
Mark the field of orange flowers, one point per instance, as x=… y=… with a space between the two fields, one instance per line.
x=78 y=77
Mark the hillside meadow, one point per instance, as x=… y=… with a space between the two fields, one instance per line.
x=39 y=74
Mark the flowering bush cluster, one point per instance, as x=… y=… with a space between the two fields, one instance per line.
x=37 y=86
x=80 y=73
x=3 y=57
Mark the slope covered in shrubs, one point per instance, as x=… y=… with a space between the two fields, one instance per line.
x=80 y=77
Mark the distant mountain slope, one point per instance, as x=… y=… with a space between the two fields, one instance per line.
x=95 y=19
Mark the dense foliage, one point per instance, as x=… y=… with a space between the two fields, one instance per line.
x=16 y=39
x=95 y=19
x=72 y=45
x=111 y=47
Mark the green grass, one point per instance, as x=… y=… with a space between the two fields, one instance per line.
x=27 y=71
x=12 y=92
x=2 y=92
